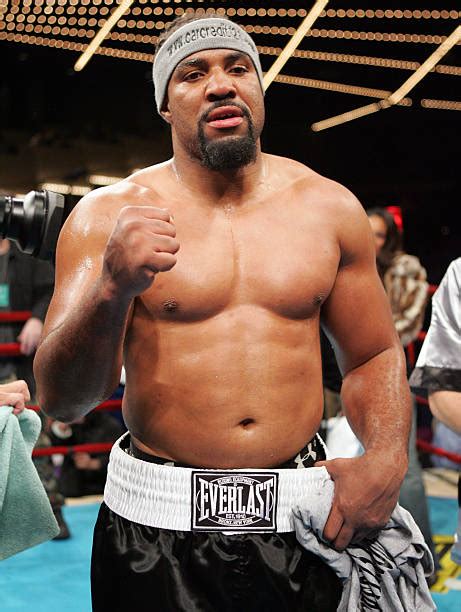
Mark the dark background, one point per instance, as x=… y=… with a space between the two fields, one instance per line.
x=58 y=125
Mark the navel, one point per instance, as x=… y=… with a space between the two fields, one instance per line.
x=246 y=422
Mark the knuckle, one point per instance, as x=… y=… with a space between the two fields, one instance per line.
x=162 y=214
x=22 y=383
x=134 y=225
x=167 y=228
x=166 y=244
x=160 y=226
x=374 y=523
x=165 y=214
x=166 y=261
x=134 y=242
x=174 y=246
x=126 y=212
x=327 y=534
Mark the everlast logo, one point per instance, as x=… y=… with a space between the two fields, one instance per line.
x=234 y=501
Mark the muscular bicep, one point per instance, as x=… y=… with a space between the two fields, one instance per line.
x=79 y=258
x=357 y=316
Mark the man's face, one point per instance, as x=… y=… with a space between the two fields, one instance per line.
x=215 y=107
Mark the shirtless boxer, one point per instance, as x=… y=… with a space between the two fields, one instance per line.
x=208 y=276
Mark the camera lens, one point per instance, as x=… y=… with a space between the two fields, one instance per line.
x=33 y=222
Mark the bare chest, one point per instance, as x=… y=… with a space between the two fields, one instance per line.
x=271 y=260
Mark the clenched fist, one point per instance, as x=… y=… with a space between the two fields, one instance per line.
x=142 y=244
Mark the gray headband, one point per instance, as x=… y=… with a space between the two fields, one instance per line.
x=200 y=35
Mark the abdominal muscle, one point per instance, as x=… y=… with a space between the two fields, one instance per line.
x=216 y=394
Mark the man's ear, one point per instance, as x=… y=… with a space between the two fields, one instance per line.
x=165 y=110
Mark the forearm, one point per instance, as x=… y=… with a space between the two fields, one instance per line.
x=446 y=407
x=78 y=363
x=377 y=402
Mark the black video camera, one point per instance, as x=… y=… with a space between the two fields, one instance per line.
x=34 y=222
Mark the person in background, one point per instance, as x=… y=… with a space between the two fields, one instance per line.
x=14 y=394
x=403 y=276
x=404 y=280
x=26 y=284
x=438 y=368
x=448 y=438
x=83 y=473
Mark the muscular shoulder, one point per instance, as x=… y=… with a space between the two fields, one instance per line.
x=107 y=201
x=340 y=212
x=85 y=233
x=97 y=211
x=316 y=188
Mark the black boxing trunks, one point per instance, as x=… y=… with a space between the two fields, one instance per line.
x=173 y=538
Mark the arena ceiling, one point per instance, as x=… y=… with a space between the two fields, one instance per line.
x=78 y=129
x=346 y=37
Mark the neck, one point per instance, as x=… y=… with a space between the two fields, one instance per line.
x=215 y=186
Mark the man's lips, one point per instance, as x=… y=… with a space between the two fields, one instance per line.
x=225 y=117
x=230 y=122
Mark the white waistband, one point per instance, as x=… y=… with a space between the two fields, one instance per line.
x=160 y=495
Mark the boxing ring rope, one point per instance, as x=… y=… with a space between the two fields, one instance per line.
x=427 y=447
x=10 y=316
x=107 y=406
x=95 y=448
x=12 y=349
x=104 y=447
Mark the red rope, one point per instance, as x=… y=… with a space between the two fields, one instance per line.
x=411 y=354
x=100 y=447
x=13 y=316
x=428 y=448
x=104 y=447
x=10 y=349
x=115 y=404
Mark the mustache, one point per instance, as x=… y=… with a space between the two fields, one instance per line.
x=242 y=107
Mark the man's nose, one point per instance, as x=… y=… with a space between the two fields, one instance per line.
x=220 y=86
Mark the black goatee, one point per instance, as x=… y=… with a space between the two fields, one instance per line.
x=228 y=153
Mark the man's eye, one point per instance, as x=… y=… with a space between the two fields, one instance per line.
x=192 y=76
x=239 y=69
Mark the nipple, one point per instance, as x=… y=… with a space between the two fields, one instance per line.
x=170 y=305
